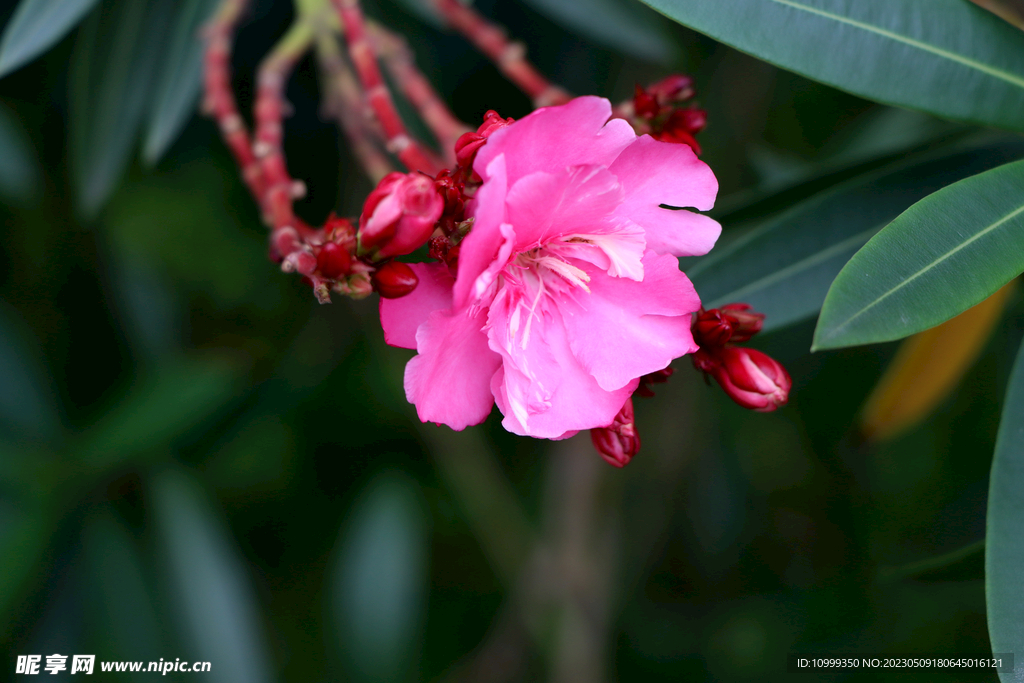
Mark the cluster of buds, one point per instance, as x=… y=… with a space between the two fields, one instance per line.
x=751 y=378
x=660 y=112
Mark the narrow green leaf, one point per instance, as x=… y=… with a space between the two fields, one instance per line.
x=954 y=565
x=784 y=267
x=125 y=619
x=35 y=27
x=619 y=24
x=209 y=585
x=943 y=255
x=180 y=79
x=111 y=81
x=1004 y=540
x=27 y=405
x=947 y=57
x=381 y=581
x=177 y=397
x=20 y=177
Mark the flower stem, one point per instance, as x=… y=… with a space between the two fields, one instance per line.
x=510 y=57
x=410 y=152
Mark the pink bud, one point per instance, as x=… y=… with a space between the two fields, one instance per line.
x=751 y=378
x=394 y=279
x=711 y=328
x=399 y=215
x=618 y=442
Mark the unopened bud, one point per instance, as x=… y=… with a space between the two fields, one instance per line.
x=399 y=215
x=333 y=261
x=618 y=442
x=711 y=328
x=674 y=88
x=469 y=144
x=394 y=280
x=751 y=378
x=660 y=377
x=745 y=322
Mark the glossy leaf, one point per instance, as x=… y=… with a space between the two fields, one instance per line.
x=209 y=586
x=35 y=26
x=928 y=367
x=111 y=81
x=1004 y=542
x=784 y=267
x=180 y=79
x=943 y=255
x=946 y=57
x=381 y=581
x=624 y=25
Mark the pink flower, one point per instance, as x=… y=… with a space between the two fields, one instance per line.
x=568 y=289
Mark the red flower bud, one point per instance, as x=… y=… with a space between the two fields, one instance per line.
x=711 y=328
x=333 y=261
x=750 y=378
x=399 y=215
x=618 y=442
x=674 y=88
x=394 y=280
x=659 y=377
x=744 y=321
x=645 y=104
x=469 y=144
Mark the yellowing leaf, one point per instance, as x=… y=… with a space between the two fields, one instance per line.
x=927 y=367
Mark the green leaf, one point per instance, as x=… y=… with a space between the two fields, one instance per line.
x=20 y=177
x=125 y=618
x=111 y=81
x=27 y=405
x=946 y=57
x=35 y=27
x=176 y=398
x=943 y=255
x=621 y=25
x=1004 y=540
x=180 y=79
x=209 y=585
x=784 y=267
x=381 y=581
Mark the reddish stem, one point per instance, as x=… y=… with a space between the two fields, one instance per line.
x=510 y=57
x=408 y=150
x=399 y=61
x=280 y=189
x=219 y=101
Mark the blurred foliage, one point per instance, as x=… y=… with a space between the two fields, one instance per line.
x=198 y=461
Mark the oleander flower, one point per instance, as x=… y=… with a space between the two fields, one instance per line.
x=567 y=288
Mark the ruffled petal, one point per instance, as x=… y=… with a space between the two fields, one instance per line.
x=401 y=317
x=553 y=138
x=654 y=173
x=581 y=199
x=544 y=391
x=624 y=329
x=449 y=381
x=482 y=245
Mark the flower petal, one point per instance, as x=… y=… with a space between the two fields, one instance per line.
x=450 y=379
x=553 y=138
x=483 y=244
x=544 y=391
x=625 y=329
x=654 y=173
x=401 y=317
x=542 y=206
